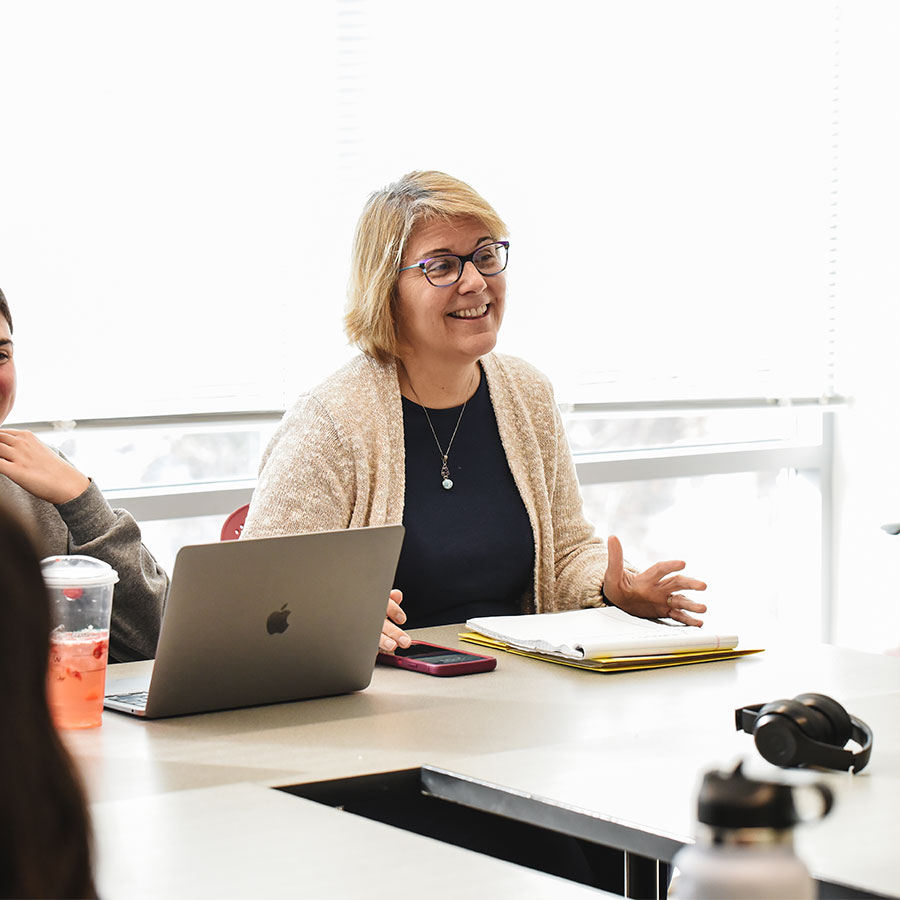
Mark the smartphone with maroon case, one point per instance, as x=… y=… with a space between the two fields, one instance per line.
x=433 y=659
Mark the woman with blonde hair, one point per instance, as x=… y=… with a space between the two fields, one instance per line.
x=430 y=427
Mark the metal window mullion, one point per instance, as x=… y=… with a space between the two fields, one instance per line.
x=604 y=470
x=152 y=504
x=221 y=498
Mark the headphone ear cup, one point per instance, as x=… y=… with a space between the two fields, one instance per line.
x=778 y=739
x=840 y=726
x=784 y=729
x=811 y=721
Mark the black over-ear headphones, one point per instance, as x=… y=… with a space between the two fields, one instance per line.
x=809 y=730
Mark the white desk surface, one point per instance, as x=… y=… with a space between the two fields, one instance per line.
x=628 y=747
x=247 y=841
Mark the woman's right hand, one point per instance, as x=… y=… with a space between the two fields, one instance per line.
x=392 y=635
x=31 y=464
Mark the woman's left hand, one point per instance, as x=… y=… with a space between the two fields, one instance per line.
x=651 y=594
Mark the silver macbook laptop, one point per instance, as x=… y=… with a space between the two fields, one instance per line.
x=266 y=620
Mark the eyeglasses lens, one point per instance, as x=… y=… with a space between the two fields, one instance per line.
x=442 y=270
x=491 y=259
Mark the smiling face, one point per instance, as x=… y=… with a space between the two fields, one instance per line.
x=455 y=325
x=7 y=371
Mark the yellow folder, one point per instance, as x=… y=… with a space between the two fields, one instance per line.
x=609 y=665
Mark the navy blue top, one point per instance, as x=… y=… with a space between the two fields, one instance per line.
x=468 y=551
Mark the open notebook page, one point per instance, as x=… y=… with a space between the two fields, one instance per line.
x=596 y=633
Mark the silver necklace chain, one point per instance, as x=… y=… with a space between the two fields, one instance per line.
x=446 y=481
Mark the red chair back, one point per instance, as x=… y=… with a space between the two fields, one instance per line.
x=234 y=524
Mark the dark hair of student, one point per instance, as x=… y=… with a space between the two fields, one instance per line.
x=4 y=311
x=44 y=826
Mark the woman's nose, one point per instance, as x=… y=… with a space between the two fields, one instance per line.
x=471 y=279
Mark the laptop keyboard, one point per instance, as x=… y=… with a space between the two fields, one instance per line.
x=135 y=698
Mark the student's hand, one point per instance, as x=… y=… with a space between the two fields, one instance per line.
x=32 y=465
x=391 y=634
x=651 y=594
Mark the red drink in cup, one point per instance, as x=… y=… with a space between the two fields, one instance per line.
x=76 y=677
x=81 y=590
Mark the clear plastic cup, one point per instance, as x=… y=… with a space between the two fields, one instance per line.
x=81 y=592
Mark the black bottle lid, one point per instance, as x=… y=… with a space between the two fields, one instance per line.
x=731 y=800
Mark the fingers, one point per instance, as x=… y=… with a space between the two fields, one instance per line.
x=659 y=570
x=32 y=465
x=677 y=609
x=679 y=615
x=394 y=612
x=10 y=436
x=682 y=583
x=615 y=560
x=679 y=601
x=392 y=637
x=7 y=441
x=615 y=567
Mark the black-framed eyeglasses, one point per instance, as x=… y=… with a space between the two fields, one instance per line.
x=442 y=271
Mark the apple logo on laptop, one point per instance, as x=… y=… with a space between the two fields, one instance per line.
x=277 y=622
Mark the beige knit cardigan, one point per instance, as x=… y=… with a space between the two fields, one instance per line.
x=337 y=461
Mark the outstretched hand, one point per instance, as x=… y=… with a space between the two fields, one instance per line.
x=651 y=594
x=32 y=465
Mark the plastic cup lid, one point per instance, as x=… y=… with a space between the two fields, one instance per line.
x=83 y=571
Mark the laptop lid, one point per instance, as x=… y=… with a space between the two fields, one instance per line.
x=269 y=620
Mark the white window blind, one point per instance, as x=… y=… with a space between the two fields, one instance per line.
x=180 y=184
x=166 y=184
x=668 y=171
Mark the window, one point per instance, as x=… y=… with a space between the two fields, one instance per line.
x=734 y=494
x=666 y=170
x=182 y=182
x=166 y=200
x=177 y=220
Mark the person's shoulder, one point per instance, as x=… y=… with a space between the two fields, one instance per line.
x=516 y=370
x=351 y=398
x=359 y=383
x=359 y=375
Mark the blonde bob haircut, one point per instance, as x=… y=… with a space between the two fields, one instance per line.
x=382 y=234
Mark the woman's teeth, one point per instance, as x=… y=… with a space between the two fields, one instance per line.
x=474 y=313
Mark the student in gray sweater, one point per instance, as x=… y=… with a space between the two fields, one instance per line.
x=64 y=512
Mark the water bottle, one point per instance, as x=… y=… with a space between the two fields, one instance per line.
x=745 y=842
